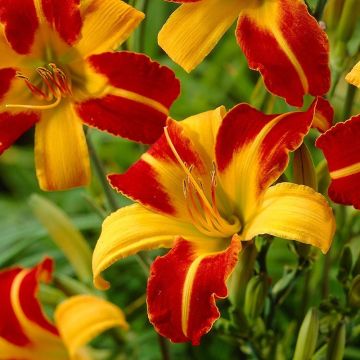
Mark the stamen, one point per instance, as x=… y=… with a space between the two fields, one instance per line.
x=205 y=216
x=187 y=171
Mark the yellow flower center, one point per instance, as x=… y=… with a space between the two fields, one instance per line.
x=203 y=212
x=54 y=86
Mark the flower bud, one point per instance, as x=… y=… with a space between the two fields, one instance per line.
x=356 y=268
x=304 y=170
x=336 y=345
x=255 y=296
x=345 y=264
x=354 y=293
x=308 y=334
x=64 y=234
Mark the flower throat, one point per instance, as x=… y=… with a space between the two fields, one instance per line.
x=55 y=85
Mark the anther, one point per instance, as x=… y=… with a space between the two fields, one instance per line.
x=56 y=83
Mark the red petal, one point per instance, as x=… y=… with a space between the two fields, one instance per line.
x=20 y=20
x=12 y=126
x=288 y=47
x=324 y=114
x=142 y=93
x=153 y=183
x=10 y=328
x=123 y=117
x=28 y=294
x=139 y=74
x=341 y=148
x=182 y=289
x=270 y=136
x=65 y=17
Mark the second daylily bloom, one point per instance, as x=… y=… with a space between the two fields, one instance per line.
x=203 y=188
x=58 y=70
x=279 y=38
x=27 y=334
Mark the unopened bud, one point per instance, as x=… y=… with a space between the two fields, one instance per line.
x=354 y=293
x=304 y=170
x=255 y=296
x=336 y=344
x=356 y=268
x=345 y=264
x=308 y=334
x=64 y=234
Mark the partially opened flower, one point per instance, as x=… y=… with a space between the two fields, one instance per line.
x=279 y=38
x=202 y=189
x=56 y=71
x=27 y=334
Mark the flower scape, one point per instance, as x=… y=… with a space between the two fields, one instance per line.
x=170 y=191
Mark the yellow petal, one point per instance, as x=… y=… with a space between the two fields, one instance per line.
x=37 y=352
x=194 y=29
x=81 y=318
x=9 y=57
x=106 y=25
x=353 y=77
x=61 y=154
x=202 y=129
x=294 y=212
x=132 y=229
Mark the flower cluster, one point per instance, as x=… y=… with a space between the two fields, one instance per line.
x=205 y=187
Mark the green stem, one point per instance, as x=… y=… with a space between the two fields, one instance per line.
x=326 y=275
x=163 y=343
x=100 y=172
x=109 y=194
x=349 y=100
x=144 y=9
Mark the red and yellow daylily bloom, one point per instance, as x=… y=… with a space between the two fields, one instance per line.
x=341 y=148
x=202 y=189
x=58 y=70
x=27 y=334
x=278 y=37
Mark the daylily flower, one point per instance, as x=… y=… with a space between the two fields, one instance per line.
x=57 y=71
x=341 y=148
x=27 y=334
x=203 y=188
x=278 y=37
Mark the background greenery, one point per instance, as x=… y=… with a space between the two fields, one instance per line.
x=223 y=78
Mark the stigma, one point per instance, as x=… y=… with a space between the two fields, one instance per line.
x=201 y=202
x=54 y=86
